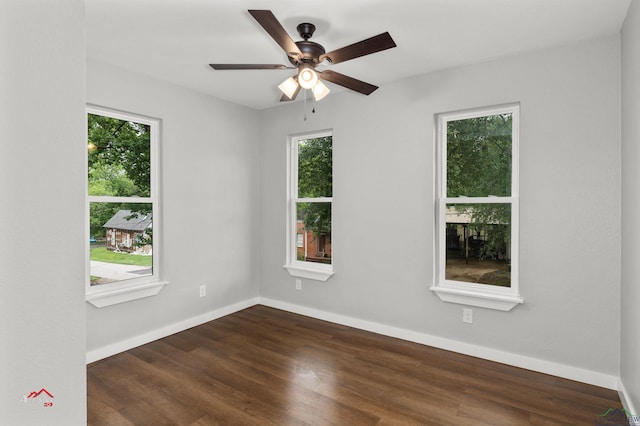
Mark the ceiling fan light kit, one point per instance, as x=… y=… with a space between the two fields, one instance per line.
x=320 y=91
x=306 y=55
x=289 y=87
x=307 y=77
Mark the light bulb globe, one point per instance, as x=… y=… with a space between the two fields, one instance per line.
x=307 y=77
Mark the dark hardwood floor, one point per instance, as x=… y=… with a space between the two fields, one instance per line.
x=266 y=366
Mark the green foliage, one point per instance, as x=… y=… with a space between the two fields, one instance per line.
x=315 y=168
x=316 y=217
x=479 y=156
x=110 y=179
x=99 y=214
x=124 y=144
x=315 y=179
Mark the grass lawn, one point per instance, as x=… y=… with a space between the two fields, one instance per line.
x=101 y=254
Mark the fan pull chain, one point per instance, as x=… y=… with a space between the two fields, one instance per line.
x=313 y=108
x=305 y=105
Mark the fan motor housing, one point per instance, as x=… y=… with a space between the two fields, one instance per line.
x=311 y=52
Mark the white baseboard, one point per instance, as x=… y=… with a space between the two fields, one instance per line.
x=133 y=342
x=626 y=402
x=542 y=366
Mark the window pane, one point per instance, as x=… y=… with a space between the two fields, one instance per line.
x=478 y=243
x=315 y=176
x=479 y=156
x=121 y=241
x=314 y=225
x=119 y=157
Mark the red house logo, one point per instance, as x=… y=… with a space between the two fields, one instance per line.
x=42 y=397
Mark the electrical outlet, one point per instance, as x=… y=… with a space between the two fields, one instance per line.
x=298 y=284
x=203 y=290
x=467 y=315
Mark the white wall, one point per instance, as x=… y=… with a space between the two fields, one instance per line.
x=210 y=199
x=42 y=313
x=383 y=204
x=630 y=345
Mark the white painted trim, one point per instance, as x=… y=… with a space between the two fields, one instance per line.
x=109 y=295
x=318 y=273
x=517 y=360
x=626 y=402
x=484 y=300
x=296 y=268
x=134 y=288
x=486 y=296
x=133 y=342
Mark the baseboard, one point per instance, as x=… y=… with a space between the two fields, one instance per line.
x=133 y=342
x=534 y=364
x=626 y=401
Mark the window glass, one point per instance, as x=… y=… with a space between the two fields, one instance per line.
x=314 y=223
x=477 y=260
x=121 y=243
x=310 y=197
x=478 y=243
x=119 y=157
x=120 y=203
x=315 y=168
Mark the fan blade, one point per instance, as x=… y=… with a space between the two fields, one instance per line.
x=249 y=67
x=365 y=47
x=348 y=82
x=272 y=26
x=285 y=98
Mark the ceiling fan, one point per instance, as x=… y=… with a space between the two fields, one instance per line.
x=305 y=55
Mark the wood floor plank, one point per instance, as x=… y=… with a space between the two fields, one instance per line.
x=264 y=366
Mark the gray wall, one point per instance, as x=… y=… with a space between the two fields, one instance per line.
x=210 y=203
x=630 y=349
x=224 y=164
x=42 y=312
x=383 y=204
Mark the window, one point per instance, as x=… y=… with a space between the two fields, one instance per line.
x=310 y=196
x=122 y=204
x=477 y=207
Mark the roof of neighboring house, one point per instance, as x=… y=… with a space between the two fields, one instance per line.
x=129 y=221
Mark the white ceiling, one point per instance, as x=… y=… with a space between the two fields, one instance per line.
x=175 y=40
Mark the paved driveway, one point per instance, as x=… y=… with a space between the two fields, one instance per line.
x=116 y=272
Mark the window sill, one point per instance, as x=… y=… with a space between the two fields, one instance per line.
x=319 y=273
x=120 y=293
x=498 y=302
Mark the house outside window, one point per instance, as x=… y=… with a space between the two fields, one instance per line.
x=122 y=207
x=309 y=212
x=477 y=207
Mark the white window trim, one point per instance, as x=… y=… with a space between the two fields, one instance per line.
x=481 y=295
x=295 y=267
x=137 y=288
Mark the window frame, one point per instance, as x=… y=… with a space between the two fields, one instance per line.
x=295 y=267
x=136 y=288
x=475 y=294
